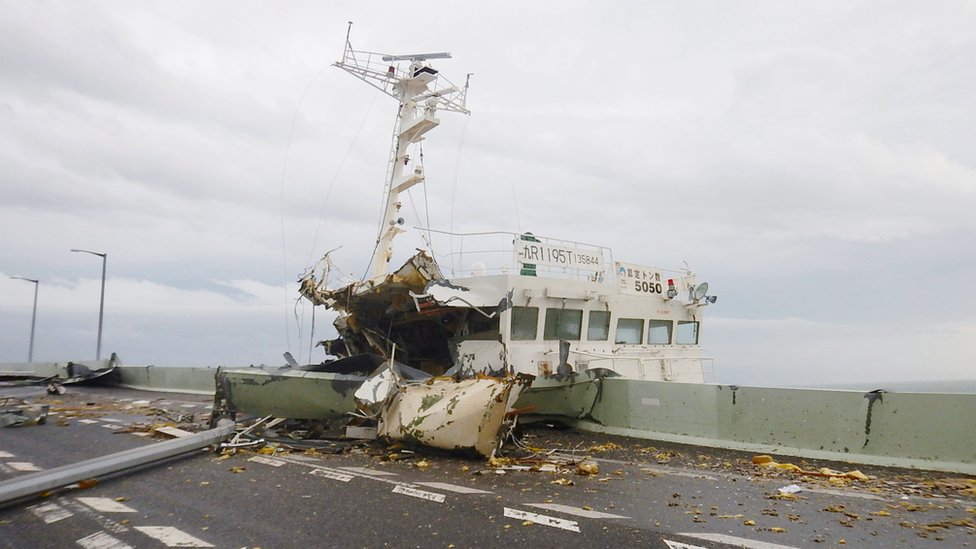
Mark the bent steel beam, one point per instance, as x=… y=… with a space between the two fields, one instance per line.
x=36 y=483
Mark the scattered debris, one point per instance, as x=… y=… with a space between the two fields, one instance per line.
x=24 y=415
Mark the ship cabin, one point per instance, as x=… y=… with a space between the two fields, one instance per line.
x=558 y=307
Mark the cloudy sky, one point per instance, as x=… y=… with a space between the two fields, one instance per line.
x=813 y=162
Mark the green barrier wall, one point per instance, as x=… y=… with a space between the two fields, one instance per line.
x=932 y=431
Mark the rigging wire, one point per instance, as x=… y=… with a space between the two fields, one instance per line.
x=281 y=198
x=457 y=170
x=335 y=177
x=518 y=220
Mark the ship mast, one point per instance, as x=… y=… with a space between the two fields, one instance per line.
x=421 y=91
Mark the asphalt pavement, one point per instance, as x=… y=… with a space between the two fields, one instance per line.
x=327 y=492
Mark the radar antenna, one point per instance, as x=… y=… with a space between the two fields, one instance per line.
x=421 y=91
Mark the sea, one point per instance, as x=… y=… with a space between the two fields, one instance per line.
x=967 y=386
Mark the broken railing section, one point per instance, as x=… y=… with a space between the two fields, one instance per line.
x=60 y=373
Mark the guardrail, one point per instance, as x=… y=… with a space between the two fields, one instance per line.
x=920 y=430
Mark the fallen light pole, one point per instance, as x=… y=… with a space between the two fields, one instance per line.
x=30 y=485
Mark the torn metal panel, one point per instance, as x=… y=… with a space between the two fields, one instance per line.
x=570 y=396
x=19 y=416
x=452 y=415
x=486 y=294
x=62 y=372
x=286 y=392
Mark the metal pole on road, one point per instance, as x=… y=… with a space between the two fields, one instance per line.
x=37 y=283
x=101 y=304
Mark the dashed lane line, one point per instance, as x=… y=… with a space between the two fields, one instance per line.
x=267 y=461
x=23 y=466
x=579 y=512
x=50 y=512
x=172 y=537
x=420 y=494
x=368 y=472
x=106 y=505
x=453 y=488
x=87 y=421
x=736 y=541
x=6 y=455
x=102 y=540
x=681 y=545
x=544 y=520
x=341 y=477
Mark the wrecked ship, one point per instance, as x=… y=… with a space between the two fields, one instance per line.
x=450 y=357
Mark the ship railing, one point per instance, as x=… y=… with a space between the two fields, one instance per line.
x=668 y=368
x=497 y=252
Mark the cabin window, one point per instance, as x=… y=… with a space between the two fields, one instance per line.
x=687 y=332
x=563 y=324
x=525 y=323
x=598 y=326
x=659 y=332
x=480 y=327
x=629 y=331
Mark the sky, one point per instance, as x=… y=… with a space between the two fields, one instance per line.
x=811 y=161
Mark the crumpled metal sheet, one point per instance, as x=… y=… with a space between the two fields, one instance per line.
x=413 y=276
x=452 y=415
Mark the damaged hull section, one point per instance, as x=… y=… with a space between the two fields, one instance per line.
x=285 y=392
x=452 y=415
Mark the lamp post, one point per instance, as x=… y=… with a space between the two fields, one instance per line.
x=37 y=283
x=101 y=304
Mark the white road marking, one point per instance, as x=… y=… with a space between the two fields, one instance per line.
x=422 y=494
x=101 y=540
x=87 y=421
x=733 y=540
x=331 y=474
x=106 y=505
x=112 y=420
x=6 y=454
x=173 y=432
x=570 y=510
x=188 y=405
x=112 y=426
x=679 y=545
x=844 y=494
x=102 y=520
x=140 y=434
x=23 y=466
x=140 y=403
x=453 y=488
x=369 y=472
x=50 y=512
x=544 y=520
x=172 y=537
x=267 y=461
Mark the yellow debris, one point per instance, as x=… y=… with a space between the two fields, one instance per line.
x=605 y=447
x=759 y=460
x=587 y=468
x=749 y=523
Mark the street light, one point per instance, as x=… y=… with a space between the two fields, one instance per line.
x=101 y=304
x=37 y=283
